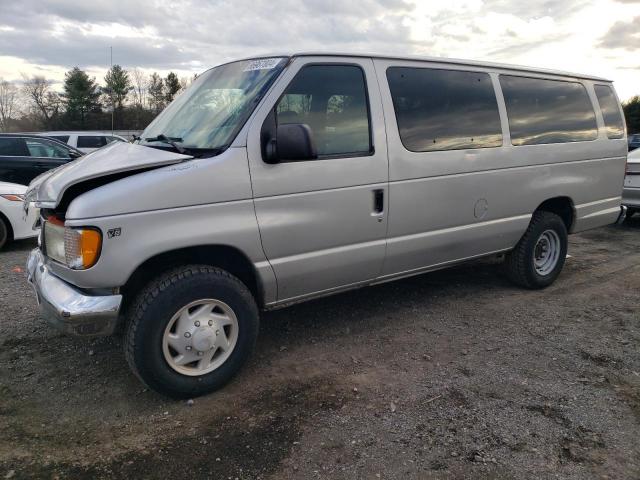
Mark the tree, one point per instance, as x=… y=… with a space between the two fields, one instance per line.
x=8 y=103
x=43 y=102
x=117 y=85
x=81 y=96
x=632 y=114
x=172 y=86
x=156 y=92
x=139 y=89
x=187 y=81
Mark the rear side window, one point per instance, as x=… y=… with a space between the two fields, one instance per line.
x=86 y=141
x=613 y=123
x=60 y=138
x=13 y=147
x=332 y=100
x=444 y=109
x=44 y=148
x=547 y=111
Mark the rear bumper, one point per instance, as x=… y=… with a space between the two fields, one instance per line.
x=67 y=308
x=631 y=197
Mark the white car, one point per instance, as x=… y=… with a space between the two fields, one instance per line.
x=15 y=223
x=631 y=192
x=85 y=141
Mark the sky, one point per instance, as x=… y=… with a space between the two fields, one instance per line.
x=48 y=37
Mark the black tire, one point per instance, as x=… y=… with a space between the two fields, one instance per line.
x=158 y=303
x=5 y=233
x=520 y=264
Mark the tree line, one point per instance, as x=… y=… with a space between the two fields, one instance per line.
x=133 y=97
x=632 y=114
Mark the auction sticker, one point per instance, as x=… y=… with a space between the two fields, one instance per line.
x=262 y=64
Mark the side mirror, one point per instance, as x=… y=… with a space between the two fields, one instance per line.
x=74 y=155
x=293 y=141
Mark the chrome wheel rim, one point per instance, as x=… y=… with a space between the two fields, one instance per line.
x=546 y=252
x=200 y=337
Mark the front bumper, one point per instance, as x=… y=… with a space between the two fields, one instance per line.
x=67 y=308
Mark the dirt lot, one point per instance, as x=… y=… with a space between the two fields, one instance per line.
x=454 y=374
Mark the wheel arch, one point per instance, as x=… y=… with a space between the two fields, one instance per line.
x=226 y=257
x=7 y=222
x=562 y=206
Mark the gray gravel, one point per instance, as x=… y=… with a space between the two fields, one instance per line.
x=454 y=374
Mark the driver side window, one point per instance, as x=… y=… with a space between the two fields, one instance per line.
x=332 y=100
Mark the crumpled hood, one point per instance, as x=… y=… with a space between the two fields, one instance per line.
x=47 y=189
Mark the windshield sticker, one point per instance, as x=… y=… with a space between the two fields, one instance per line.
x=262 y=64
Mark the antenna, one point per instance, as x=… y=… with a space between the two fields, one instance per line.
x=113 y=107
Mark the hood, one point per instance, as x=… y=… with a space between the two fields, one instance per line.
x=117 y=158
x=12 y=188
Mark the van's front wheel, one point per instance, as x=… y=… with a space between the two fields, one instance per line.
x=539 y=256
x=191 y=330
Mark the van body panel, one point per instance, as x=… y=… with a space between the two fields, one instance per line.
x=201 y=202
x=113 y=159
x=222 y=178
x=147 y=234
x=453 y=204
x=313 y=227
x=316 y=217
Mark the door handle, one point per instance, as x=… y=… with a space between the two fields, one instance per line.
x=378 y=204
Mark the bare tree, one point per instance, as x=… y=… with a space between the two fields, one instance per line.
x=8 y=103
x=43 y=100
x=140 y=86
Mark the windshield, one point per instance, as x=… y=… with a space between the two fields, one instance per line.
x=209 y=114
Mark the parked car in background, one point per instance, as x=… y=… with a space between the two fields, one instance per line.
x=15 y=223
x=631 y=192
x=25 y=156
x=312 y=174
x=634 y=141
x=85 y=141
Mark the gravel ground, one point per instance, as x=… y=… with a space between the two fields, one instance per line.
x=454 y=374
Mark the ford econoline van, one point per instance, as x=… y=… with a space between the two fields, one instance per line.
x=275 y=180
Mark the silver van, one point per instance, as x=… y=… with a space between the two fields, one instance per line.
x=275 y=180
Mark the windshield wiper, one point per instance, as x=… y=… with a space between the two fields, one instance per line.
x=171 y=141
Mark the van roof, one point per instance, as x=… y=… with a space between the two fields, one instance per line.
x=445 y=60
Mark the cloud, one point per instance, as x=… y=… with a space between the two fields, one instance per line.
x=529 y=10
x=623 y=35
x=188 y=36
x=192 y=33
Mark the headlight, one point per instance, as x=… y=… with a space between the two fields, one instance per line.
x=78 y=248
x=13 y=197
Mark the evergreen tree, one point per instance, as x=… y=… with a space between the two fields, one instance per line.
x=156 y=93
x=632 y=114
x=172 y=86
x=81 y=97
x=117 y=85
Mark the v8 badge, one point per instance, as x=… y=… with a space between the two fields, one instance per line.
x=114 y=232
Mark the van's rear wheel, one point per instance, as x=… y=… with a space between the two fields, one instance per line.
x=191 y=330
x=539 y=256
